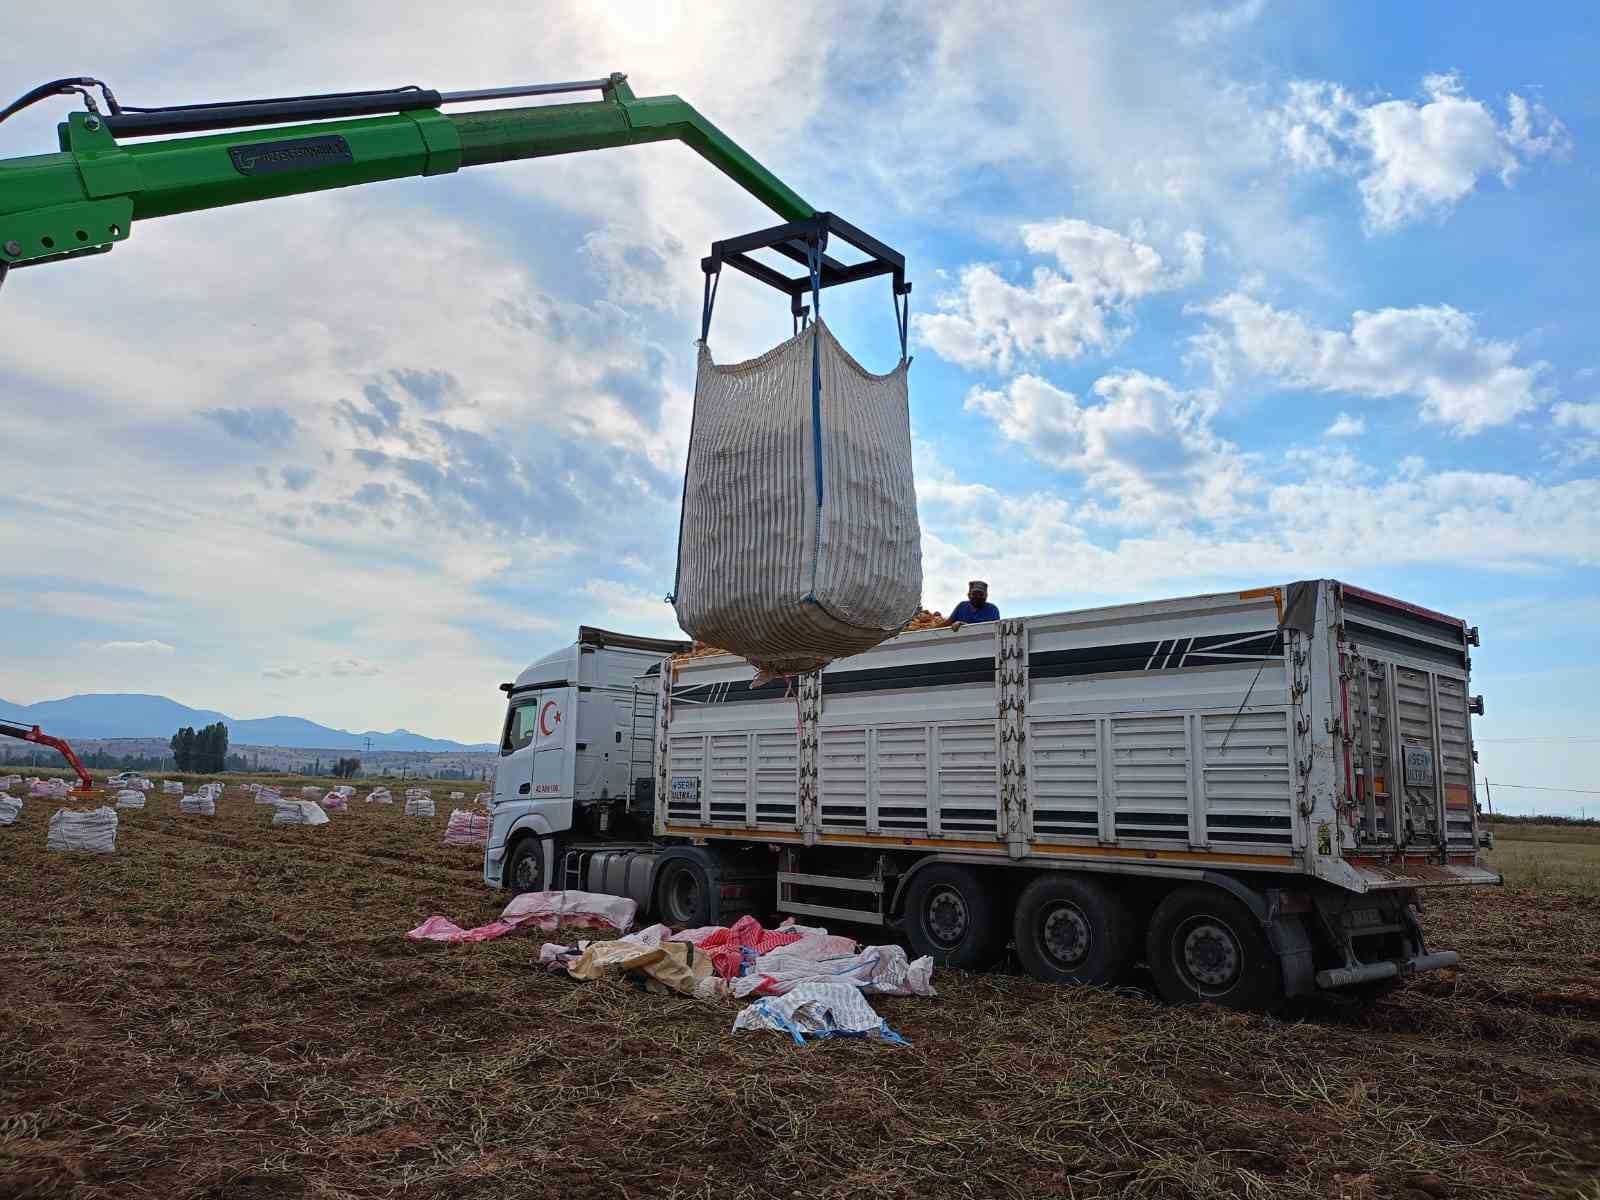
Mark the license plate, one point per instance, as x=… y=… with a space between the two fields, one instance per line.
x=684 y=787
x=1419 y=766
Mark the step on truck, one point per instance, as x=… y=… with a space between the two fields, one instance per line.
x=1248 y=792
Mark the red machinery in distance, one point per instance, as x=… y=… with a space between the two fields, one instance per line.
x=32 y=733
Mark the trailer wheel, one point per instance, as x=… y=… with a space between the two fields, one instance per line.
x=1204 y=944
x=950 y=916
x=1069 y=929
x=525 y=869
x=683 y=893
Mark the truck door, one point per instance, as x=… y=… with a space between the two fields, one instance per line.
x=513 y=778
x=553 y=723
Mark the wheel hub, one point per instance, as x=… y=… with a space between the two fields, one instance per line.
x=947 y=916
x=527 y=873
x=1211 y=954
x=1066 y=935
x=685 y=895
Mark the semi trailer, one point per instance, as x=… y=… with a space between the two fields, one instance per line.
x=1249 y=792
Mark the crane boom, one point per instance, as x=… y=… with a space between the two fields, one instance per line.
x=32 y=733
x=85 y=198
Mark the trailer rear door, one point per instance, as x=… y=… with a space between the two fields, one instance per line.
x=1410 y=748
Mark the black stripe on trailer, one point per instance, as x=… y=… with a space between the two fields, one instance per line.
x=1210 y=650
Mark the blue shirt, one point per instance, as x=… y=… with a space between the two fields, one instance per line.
x=968 y=614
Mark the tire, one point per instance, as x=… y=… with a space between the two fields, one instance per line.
x=683 y=893
x=1205 y=945
x=525 y=869
x=950 y=917
x=1071 y=929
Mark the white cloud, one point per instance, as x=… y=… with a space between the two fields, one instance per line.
x=1583 y=445
x=1413 y=159
x=1464 y=381
x=148 y=646
x=1143 y=444
x=1331 y=517
x=1064 y=314
x=1577 y=416
x=1210 y=25
x=617 y=605
x=1344 y=425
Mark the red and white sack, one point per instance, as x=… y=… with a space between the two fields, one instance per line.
x=94 y=831
x=379 y=796
x=799 y=541
x=466 y=828
x=336 y=802
x=7 y=782
x=265 y=795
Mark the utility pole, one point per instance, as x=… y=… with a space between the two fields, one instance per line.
x=1488 y=796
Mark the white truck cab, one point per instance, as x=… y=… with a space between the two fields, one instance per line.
x=576 y=752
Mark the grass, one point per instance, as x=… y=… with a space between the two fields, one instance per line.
x=1532 y=831
x=1555 y=866
x=227 y=1009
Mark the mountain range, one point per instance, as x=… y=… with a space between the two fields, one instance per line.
x=132 y=715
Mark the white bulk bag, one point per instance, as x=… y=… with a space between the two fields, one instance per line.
x=419 y=806
x=299 y=812
x=10 y=808
x=379 y=796
x=172 y=787
x=133 y=798
x=201 y=804
x=95 y=830
x=782 y=559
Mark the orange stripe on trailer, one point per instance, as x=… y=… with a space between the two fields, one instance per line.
x=1457 y=796
x=1254 y=860
x=849 y=839
x=1275 y=593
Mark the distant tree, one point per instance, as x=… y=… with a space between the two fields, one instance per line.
x=346 y=768
x=212 y=749
x=183 y=748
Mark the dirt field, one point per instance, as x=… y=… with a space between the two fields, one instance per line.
x=224 y=1009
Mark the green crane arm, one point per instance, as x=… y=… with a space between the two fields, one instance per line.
x=87 y=197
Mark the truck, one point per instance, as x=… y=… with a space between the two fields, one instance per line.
x=1249 y=792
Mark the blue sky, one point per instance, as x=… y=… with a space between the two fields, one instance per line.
x=1206 y=297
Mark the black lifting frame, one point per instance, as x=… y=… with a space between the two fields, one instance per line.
x=806 y=242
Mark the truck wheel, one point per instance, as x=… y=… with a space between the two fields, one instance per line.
x=525 y=869
x=1069 y=929
x=683 y=893
x=950 y=916
x=1204 y=944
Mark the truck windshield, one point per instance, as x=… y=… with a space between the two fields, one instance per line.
x=520 y=724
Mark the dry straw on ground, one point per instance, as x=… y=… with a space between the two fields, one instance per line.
x=226 y=1009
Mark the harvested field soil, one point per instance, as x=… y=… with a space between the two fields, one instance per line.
x=227 y=1009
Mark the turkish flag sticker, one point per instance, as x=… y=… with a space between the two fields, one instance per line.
x=549 y=719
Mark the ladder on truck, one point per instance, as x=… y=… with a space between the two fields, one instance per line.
x=642 y=752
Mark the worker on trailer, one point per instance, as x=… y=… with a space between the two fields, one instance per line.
x=975 y=608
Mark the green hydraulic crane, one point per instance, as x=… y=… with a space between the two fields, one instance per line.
x=86 y=198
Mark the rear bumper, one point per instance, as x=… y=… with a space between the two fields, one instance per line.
x=1374 y=877
x=1338 y=977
